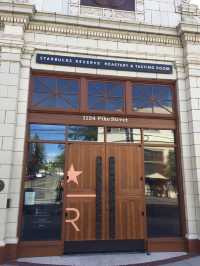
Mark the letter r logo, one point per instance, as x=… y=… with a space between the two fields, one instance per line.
x=75 y=219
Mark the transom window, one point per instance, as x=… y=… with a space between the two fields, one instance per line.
x=128 y=5
x=58 y=93
x=152 y=98
x=63 y=133
x=105 y=96
x=52 y=93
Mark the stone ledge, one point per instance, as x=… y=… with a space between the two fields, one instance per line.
x=18 y=19
x=15 y=12
x=102 y=23
x=17 y=7
x=189 y=32
x=24 y=13
x=103 y=34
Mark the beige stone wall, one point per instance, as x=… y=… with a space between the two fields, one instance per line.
x=14 y=84
x=9 y=84
x=191 y=134
x=25 y=33
x=154 y=12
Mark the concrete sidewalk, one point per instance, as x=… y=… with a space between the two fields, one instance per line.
x=116 y=259
x=195 y=261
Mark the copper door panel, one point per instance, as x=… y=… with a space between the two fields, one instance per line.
x=81 y=193
x=128 y=188
x=116 y=211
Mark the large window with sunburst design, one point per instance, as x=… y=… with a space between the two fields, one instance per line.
x=97 y=95
x=107 y=96
x=152 y=98
x=55 y=92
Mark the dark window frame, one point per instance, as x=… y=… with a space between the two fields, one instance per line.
x=167 y=121
x=123 y=85
x=46 y=109
x=31 y=209
x=130 y=6
x=154 y=84
x=177 y=184
x=83 y=96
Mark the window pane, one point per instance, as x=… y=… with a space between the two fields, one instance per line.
x=161 y=192
x=152 y=98
x=85 y=133
x=47 y=132
x=128 y=5
x=155 y=136
x=43 y=186
x=123 y=135
x=52 y=92
x=105 y=96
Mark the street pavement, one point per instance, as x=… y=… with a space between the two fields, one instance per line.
x=119 y=259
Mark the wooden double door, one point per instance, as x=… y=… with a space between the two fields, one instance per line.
x=104 y=193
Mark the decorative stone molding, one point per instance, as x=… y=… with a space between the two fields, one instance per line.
x=18 y=19
x=189 y=33
x=16 y=12
x=107 y=34
x=19 y=12
x=17 y=6
x=189 y=37
x=103 y=29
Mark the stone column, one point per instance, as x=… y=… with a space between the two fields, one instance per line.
x=9 y=86
x=186 y=152
x=191 y=43
x=14 y=83
x=16 y=177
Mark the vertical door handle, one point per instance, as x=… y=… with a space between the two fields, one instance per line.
x=111 y=176
x=98 y=196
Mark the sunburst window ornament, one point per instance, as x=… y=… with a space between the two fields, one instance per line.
x=106 y=96
x=152 y=99
x=53 y=92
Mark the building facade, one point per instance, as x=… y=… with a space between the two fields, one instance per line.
x=99 y=126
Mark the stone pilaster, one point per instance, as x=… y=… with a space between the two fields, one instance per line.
x=14 y=76
x=191 y=116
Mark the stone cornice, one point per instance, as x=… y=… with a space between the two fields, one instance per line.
x=16 y=19
x=189 y=32
x=101 y=23
x=104 y=33
x=15 y=13
x=189 y=37
x=21 y=12
x=16 y=7
x=188 y=27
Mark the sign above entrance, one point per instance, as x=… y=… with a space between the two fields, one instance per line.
x=105 y=118
x=103 y=64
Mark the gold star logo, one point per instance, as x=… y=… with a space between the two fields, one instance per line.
x=72 y=174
